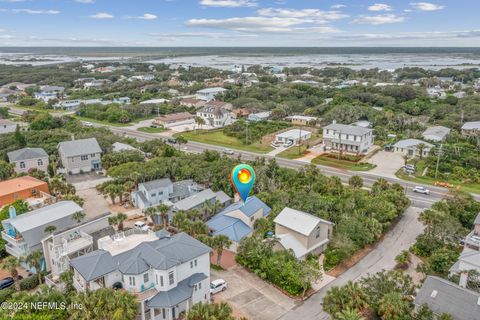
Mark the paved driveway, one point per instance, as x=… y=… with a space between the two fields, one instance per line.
x=252 y=297
x=387 y=163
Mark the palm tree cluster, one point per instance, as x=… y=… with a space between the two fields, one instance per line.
x=160 y=210
x=118 y=220
x=217 y=243
x=116 y=189
x=210 y=311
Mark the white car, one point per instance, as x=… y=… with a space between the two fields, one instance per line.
x=287 y=144
x=140 y=225
x=228 y=151
x=217 y=286
x=87 y=124
x=421 y=190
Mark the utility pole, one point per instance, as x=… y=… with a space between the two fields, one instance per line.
x=439 y=153
x=340 y=145
x=300 y=141
x=246 y=134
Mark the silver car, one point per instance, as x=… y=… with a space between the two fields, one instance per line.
x=421 y=190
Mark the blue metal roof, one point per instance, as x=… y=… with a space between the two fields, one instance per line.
x=252 y=205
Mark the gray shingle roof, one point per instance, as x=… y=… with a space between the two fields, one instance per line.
x=155 y=184
x=436 y=131
x=182 y=292
x=79 y=147
x=443 y=296
x=348 y=129
x=195 y=200
x=94 y=264
x=471 y=125
x=26 y=154
x=408 y=143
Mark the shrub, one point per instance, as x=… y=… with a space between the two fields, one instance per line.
x=29 y=283
x=5 y=294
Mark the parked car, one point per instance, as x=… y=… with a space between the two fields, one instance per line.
x=218 y=286
x=87 y=124
x=153 y=126
x=140 y=225
x=409 y=171
x=7 y=282
x=171 y=140
x=421 y=190
x=276 y=144
x=288 y=143
x=228 y=151
x=410 y=167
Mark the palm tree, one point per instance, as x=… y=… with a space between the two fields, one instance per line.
x=121 y=217
x=348 y=314
x=67 y=278
x=210 y=208
x=50 y=229
x=11 y=264
x=34 y=259
x=53 y=163
x=78 y=216
x=205 y=311
x=163 y=210
x=393 y=306
x=405 y=160
x=113 y=221
x=421 y=147
x=220 y=243
x=181 y=140
x=151 y=212
x=112 y=190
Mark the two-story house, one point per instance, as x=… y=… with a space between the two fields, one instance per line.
x=154 y=192
x=48 y=93
x=301 y=232
x=25 y=188
x=348 y=138
x=78 y=156
x=215 y=116
x=238 y=219
x=28 y=158
x=168 y=275
x=24 y=233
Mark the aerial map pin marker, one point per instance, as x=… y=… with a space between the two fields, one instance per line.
x=243 y=178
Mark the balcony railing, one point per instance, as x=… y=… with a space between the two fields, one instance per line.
x=14 y=250
x=13 y=240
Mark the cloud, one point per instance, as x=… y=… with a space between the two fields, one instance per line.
x=379 y=19
x=426 y=6
x=337 y=6
x=229 y=3
x=101 y=15
x=258 y=24
x=146 y=16
x=85 y=1
x=380 y=7
x=30 y=11
x=313 y=15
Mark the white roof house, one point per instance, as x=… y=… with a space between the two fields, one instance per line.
x=410 y=147
x=209 y=93
x=473 y=125
x=436 y=133
x=294 y=135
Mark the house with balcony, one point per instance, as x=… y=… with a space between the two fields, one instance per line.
x=238 y=219
x=301 y=232
x=27 y=188
x=62 y=245
x=28 y=158
x=78 y=156
x=348 y=138
x=24 y=233
x=167 y=273
x=155 y=192
x=215 y=116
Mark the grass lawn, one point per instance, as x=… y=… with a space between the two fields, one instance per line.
x=473 y=188
x=292 y=153
x=103 y=122
x=216 y=137
x=343 y=164
x=151 y=130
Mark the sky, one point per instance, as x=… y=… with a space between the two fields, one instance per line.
x=237 y=23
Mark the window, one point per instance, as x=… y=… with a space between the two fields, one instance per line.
x=131 y=281
x=252 y=218
x=163 y=313
x=84 y=157
x=156 y=279
x=161 y=281
x=195 y=287
x=92 y=155
x=22 y=165
x=195 y=261
x=199 y=285
x=153 y=195
x=317 y=235
x=40 y=162
x=191 y=264
x=171 y=278
x=145 y=278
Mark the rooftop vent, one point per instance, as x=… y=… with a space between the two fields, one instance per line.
x=434 y=294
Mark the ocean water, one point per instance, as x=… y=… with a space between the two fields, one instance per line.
x=226 y=58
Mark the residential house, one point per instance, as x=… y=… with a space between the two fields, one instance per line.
x=29 y=158
x=159 y=191
x=197 y=201
x=301 y=232
x=168 y=275
x=5 y=93
x=469 y=129
x=216 y=117
x=120 y=147
x=362 y=123
x=412 y=147
x=7 y=126
x=436 y=133
x=175 y=119
x=24 y=188
x=443 y=296
x=68 y=242
x=219 y=104
x=240 y=113
x=348 y=138
x=209 y=93
x=48 y=93
x=294 y=136
x=237 y=220
x=24 y=233
x=78 y=156
x=303 y=120
x=190 y=102
x=155 y=101
x=259 y=116
x=122 y=100
x=96 y=84
x=72 y=105
x=144 y=77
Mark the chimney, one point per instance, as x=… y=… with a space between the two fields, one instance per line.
x=334 y=122
x=73 y=137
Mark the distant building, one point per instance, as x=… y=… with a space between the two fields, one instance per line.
x=216 y=117
x=471 y=128
x=410 y=147
x=303 y=120
x=21 y=188
x=29 y=158
x=219 y=104
x=145 y=77
x=301 y=232
x=198 y=200
x=443 y=296
x=78 y=156
x=175 y=119
x=7 y=126
x=237 y=220
x=24 y=233
x=294 y=136
x=209 y=93
x=190 y=102
x=155 y=101
x=48 y=93
x=348 y=138
x=260 y=116
x=436 y=133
